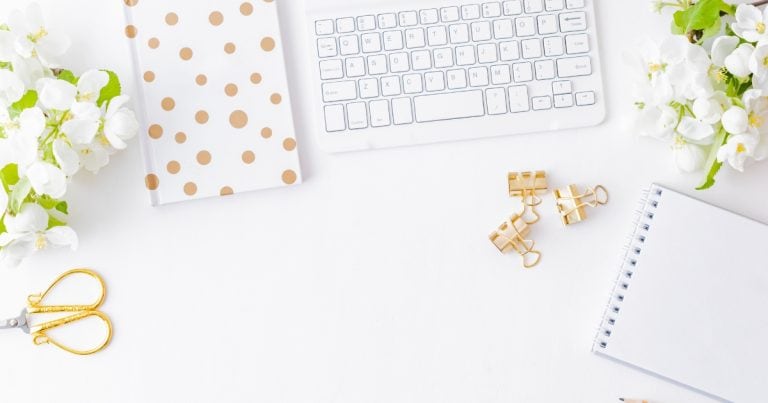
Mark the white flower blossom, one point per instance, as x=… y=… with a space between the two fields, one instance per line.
x=722 y=47
x=11 y=88
x=738 y=61
x=120 y=123
x=738 y=150
x=27 y=232
x=33 y=39
x=751 y=24
x=56 y=94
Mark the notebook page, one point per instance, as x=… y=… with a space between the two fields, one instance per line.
x=695 y=309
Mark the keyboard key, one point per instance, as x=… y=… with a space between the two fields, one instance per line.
x=429 y=16
x=486 y=53
x=377 y=64
x=379 y=113
x=547 y=24
x=470 y=12
x=326 y=47
x=531 y=48
x=554 y=5
x=345 y=25
x=563 y=101
x=585 y=98
x=398 y=62
x=553 y=46
x=533 y=6
x=562 y=87
x=501 y=74
x=574 y=66
x=502 y=29
x=456 y=105
x=408 y=18
x=459 y=33
x=421 y=60
x=355 y=67
x=513 y=7
x=357 y=115
x=349 y=45
x=387 y=21
x=414 y=38
x=491 y=10
x=449 y=14
x=390 y=86
x=481 y=31
x=334 y=118
x=434 y=81
x=437 y=36
x=578 y=43
x=402 y=112
x=339 y=91
x=518 y=99
x=412 y=84
x=331 y=69
x=525 y=26
x=457 y=79
x=574 y=4
x=541 y=103
x=570 y=22
x=522 y=72
x=509 y=51
x=371 y=42
x=366 y=23
x=496 y=100
x=545 y=69
x=465 y=55
x=443 y=57
x=369 y=88
x=478 y=77
x=393 y=40
x=324 y=27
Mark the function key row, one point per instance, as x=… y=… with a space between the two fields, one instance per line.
x=445 y=14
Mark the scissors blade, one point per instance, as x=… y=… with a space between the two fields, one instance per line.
x=19 y=322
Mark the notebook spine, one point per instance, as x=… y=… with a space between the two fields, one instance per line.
x=642 y=226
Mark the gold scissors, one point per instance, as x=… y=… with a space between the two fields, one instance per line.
x=39 y=332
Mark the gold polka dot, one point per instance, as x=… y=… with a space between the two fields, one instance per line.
x=268 y=44
x=180 y=137
x=168 y=104
x=149 y=76
x=130 y=3
x=152 y=181
x=230 y=90
x=155 y=131
x=266 y=132
x=201 y=117
x=171 y=19
x=173 y=167
x=289 y=144
x=230 y=48
x=216 y=18
x=201 y=79
x=204 y=157
x=190 y=188
x=153 y=43
x=226 y=191
x=185 y=53
x=131 y=31
x=249 y=157
x=246 y=8
x=256 y=78
x=276 y=98
x=289 y=177
x=238 y=119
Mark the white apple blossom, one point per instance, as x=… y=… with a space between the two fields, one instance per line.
x=33 y=39
x=657 y=121
x=710 y=109
x=90 y=84
x=722 y=47
x=653 y=69
x=47 y=179
x=27 y=232
x=84 y=122
x=738 y=61
x=751 y=23
x=93 y=156
x=11 y=88
x=67 y=158
x=688 y=157
x=22 y=133
x=120 y=123
x=695 y=131
x=738 y=150
x=56 y=94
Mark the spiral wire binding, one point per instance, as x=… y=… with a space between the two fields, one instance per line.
x=641 y=226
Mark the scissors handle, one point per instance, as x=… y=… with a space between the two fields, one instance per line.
x=35 y=301
x=40 y=332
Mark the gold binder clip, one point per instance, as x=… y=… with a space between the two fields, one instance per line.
x=572 y=206
x=527 y=186
x=511 y=236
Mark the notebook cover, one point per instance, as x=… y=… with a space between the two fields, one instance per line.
x=214 y=97
x=691 y=298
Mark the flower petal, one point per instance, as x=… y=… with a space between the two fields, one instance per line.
x=735 y=120
x=689 y=157
x=90 y=84
x=62 y=236
x=31 y=218
x=31 y=122
x=47 y=179
x=722 y=47
x=56 y=94
x=11 y=88
x=80 y=131
x=66 y=157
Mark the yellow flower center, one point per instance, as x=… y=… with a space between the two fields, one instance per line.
x=760 y=28
x=680 y=141
x=655 y=67
x=40 y=242
x=721 y=75
x=755 y=120
x=765 y=61
x=42 y=33
x=740 y=148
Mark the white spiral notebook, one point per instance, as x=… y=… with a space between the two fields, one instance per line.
x=691 y=300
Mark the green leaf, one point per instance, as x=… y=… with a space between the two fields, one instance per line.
x=701 y=16
x=9 y=175
x=712 y=31
x=111 y=90
x=27 y=101
x=54 y=222
x=47 y=202
x=19 y=193
x=63 y=207
x=712 y=162
x=68 y=76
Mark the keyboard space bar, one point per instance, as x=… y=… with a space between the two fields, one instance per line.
x=455 y=105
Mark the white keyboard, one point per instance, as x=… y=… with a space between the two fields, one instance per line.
x=451 y=70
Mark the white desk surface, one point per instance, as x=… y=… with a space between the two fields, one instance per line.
x=372 y=282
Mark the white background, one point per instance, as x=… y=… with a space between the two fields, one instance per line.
x=372 y=282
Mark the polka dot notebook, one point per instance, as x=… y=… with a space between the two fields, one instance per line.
x=216 y=114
